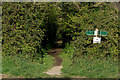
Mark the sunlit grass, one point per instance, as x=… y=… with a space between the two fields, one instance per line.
x=90 y=67
x=18 y=66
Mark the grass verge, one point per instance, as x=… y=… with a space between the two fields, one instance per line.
x=89 y=67
x=18 y=66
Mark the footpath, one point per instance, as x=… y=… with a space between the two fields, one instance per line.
x=57 y=66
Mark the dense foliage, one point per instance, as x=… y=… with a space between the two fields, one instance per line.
x=22 y=33
x=82 y=57
x=89 y=16
x=27 y=26
x=32 y=28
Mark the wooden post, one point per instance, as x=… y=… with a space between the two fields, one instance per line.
x=96 y=32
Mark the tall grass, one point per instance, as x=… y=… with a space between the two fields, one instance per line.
x=89 y=66
x=20 y=66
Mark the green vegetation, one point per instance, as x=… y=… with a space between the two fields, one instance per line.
x=82 y=57
x=22 y=32
x=21 y=65
x=31 y=29
x=89 y=66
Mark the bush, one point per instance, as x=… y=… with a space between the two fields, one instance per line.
x=103 y=16
x=22 y=32
x=84 y=46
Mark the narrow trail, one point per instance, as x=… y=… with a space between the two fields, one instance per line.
x=57 y=66
x=55 y=53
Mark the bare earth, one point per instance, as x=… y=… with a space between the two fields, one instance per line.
x=9 y=76
x=3 y=76
x=56 y=70
x=0 y=76
x=57 y=66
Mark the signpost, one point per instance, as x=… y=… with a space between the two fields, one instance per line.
x=97 y=32
x=101 y=33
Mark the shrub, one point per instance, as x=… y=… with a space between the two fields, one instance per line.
x=103 y=16
x=22 y=32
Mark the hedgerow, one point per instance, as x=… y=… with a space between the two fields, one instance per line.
x=21 y=28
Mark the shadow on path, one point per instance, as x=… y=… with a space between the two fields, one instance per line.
x=55 y=53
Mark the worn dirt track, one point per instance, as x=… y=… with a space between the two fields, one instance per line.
x=55 y=53
x=57 y=66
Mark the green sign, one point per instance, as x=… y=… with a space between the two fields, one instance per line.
x=90 y=32
x=101 y=33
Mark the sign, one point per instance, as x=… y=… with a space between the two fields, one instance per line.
x=96 y=33
x=100 y=33
x=90 y=32
x=96 y=40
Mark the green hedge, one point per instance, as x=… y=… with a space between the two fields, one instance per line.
x=26 y=25
x=89 y=16
x=22 y=32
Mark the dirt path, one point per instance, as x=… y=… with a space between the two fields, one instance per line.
x=57 y=66
x=55 y=53
x=9 y=76
x=3 y=76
